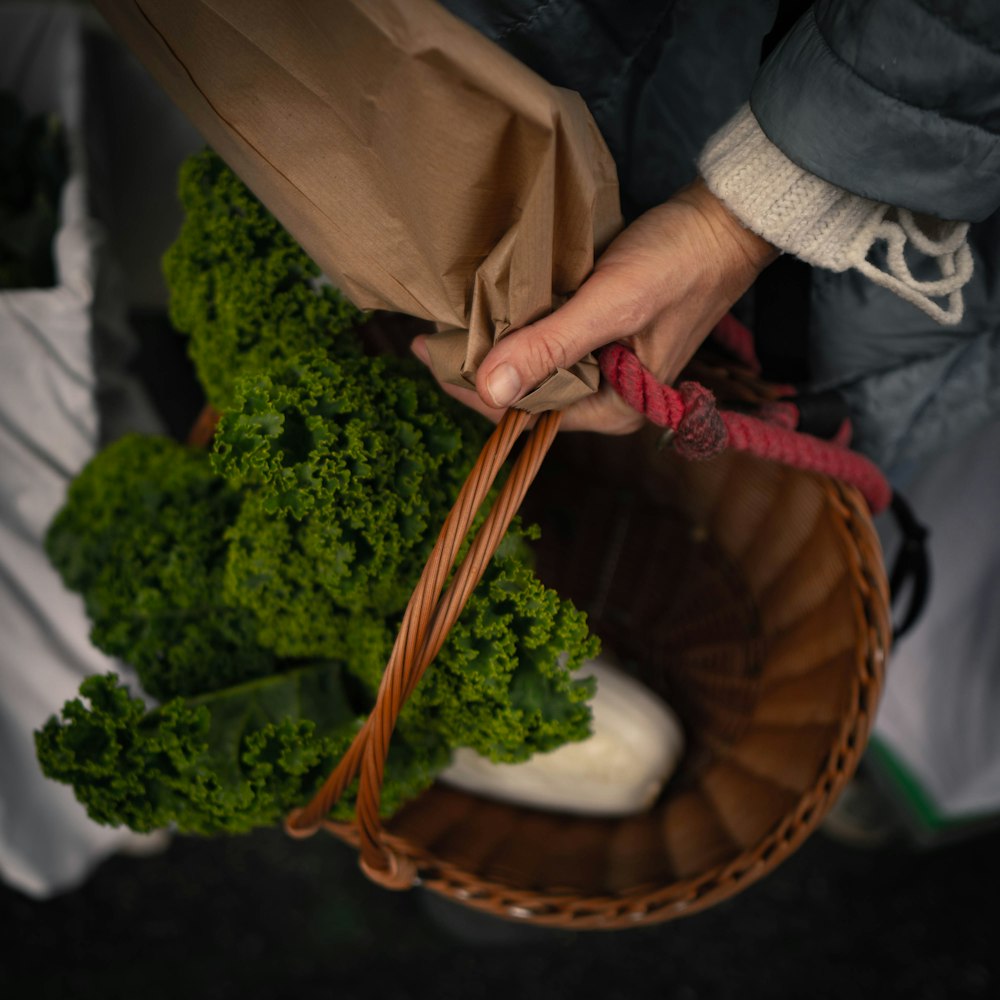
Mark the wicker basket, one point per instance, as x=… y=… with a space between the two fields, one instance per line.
x=752 y=596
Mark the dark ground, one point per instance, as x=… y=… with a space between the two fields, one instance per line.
x=266 y=916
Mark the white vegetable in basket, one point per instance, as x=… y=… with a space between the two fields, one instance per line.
x=620 y=769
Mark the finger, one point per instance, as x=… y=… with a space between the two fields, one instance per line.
x=605 y=412
x=418 y=347
x=598 y=313
x=468 y=397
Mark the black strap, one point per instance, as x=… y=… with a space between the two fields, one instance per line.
x=822 y=413
x=912 y=563
x=780 y=320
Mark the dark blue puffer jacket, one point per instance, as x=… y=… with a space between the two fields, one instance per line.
x=896 y=100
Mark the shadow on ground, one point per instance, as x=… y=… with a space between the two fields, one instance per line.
x=265 y=916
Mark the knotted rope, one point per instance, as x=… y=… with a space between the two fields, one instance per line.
x=701 y=430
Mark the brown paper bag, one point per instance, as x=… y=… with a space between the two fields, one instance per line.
x=425 y=170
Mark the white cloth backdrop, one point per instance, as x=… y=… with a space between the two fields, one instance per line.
x=940 y=714
x=55 y=407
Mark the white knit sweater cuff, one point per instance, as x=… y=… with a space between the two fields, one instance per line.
x=829 y=227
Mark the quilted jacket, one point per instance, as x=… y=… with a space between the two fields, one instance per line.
x=895 y=100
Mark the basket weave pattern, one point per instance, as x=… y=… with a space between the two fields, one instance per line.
x=752 y=596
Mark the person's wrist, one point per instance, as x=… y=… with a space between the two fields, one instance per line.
x=746 y=247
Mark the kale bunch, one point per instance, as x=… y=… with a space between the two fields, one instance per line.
x=256 y=714
x=258 y=590
x=225 y=762
x=502 y=683
x=351 y=468
x=142 y=538
x=241 y=288
x=248 y=730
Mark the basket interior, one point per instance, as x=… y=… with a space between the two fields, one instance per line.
x=731 y=587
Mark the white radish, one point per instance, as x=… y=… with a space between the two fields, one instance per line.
x=634 y=747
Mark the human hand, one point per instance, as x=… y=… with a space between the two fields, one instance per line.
x=660 y=288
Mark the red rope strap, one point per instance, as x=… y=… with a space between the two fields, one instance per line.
x=702 y=430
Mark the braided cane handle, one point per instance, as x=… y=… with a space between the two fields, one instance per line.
x=426 y=621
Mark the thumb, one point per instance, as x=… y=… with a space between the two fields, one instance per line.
x=523 y=359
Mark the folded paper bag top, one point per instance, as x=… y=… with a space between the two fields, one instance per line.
x=424 y=169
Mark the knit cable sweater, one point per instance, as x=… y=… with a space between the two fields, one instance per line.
x=829 y=227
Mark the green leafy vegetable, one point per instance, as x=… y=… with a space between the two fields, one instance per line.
x=222 y=763
x=353 y=466
x=502 y=683
x=240 y=286
x=142 y=537
x=258 y=591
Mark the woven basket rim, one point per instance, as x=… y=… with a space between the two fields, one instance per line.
x=642 y=905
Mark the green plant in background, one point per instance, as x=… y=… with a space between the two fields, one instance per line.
x=258 y=591
x=34 y=165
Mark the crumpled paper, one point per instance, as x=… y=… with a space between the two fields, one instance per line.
x=424 y=169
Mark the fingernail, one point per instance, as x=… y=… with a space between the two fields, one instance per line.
x=419 y=349
x=503 y=384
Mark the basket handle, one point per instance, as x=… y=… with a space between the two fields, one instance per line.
x=428 y=617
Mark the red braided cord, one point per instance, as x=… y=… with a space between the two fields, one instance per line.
x=668 y=407
x=803 y=451
x=780 y=412
x=660 y=403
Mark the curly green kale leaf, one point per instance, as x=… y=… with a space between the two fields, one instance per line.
x=242 y=289
x=352 y=466
x=502 y=683
x=142 y=538
x=221 y=763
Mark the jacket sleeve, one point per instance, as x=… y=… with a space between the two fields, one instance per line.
x=830 y=227
x=896 y=100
